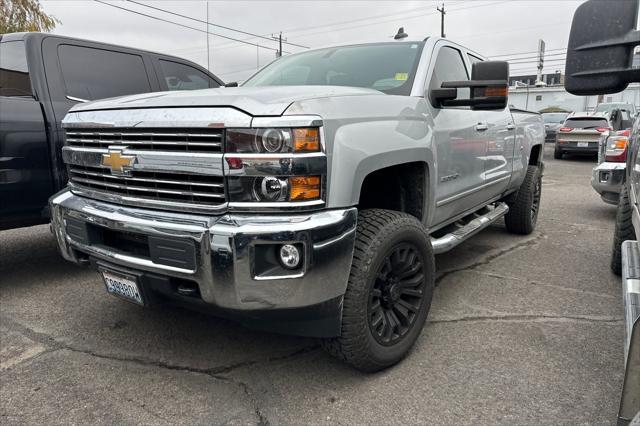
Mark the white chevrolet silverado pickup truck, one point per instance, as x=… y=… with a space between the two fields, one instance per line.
x=312 y=199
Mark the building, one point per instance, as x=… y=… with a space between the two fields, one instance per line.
x=536 y=98
x=554 y=79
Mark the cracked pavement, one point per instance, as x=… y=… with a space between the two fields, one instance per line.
x=522 y=330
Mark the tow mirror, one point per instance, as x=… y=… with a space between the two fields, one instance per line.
x=600 y=51
x=489 y=86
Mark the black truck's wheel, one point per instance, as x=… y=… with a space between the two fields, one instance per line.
x=389 y=291
x=523 y=210
x=557 y=153
x=623 y=231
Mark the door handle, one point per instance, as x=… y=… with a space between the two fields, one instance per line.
x=481 y=127
x=511 y=126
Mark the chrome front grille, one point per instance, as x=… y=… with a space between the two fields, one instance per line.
x=149 y=139
x=169 y=168
x=192 y=189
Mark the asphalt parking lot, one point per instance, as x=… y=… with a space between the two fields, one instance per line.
x=523 y=330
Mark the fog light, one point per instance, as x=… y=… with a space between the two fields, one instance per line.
x=289 y=256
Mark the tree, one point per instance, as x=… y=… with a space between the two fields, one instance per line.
x=24 y=15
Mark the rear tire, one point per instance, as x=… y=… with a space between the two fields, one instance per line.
x=389 y=291
x=624 y=230
x=523 y=210
x=557 y=153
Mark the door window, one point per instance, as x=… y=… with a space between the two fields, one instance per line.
x=14 y=73
x=183 y=77
x=90 y=73
x=449 y=67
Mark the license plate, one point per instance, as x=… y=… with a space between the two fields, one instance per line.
x=583 y=144
x=122 y=286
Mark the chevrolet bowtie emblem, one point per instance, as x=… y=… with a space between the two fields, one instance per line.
x=117 y=162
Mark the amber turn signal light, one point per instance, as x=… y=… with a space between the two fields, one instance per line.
x=620 y=143
x=304 y=188
x=306 y=140
x=496 y=91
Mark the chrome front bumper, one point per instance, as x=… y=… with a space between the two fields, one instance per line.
x=224 y=248
x=606 y=179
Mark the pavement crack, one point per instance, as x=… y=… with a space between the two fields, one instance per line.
x=55 y=344
x=530 y=318
x=538 y=283
x=491 y=257
x=262 y=419
x=217 y=373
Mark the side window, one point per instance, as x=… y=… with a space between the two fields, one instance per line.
x=449 y=67
x=14 y=74
x=96 y=73
x=183 y=77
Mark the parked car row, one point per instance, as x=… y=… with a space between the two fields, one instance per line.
x=599 y=63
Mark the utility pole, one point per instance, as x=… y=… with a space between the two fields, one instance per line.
x=442 y=13
x=208 y=55
x=279 y=39
x=540 y=61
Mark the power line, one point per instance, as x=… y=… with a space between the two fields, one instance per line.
x=181 y=25
x=421 y=15
x=525 y=53
x=535 y=61
x=333 y=24
x=209 y=23
x=534 y=57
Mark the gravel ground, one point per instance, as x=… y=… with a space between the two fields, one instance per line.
x=523 y=330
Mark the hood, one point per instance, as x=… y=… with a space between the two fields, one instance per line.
x=256 y=101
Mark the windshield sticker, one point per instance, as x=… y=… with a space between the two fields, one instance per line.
x=402 y=76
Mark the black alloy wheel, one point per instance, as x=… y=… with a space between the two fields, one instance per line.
x=396 y=295
x=535 y=203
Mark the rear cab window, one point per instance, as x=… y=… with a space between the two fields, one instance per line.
x=91 y=73
x=586 y=123
x=14 y=71
x=177 y=76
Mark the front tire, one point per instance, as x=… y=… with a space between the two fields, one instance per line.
x=624 y=230
x=523 y=210
x=389 y=291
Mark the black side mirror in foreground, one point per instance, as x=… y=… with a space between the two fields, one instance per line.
x=601 y=43
x=489 y=86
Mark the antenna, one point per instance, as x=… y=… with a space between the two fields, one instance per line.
x=401 y=34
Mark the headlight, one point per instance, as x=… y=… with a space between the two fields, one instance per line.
x=273 y=140
x=274 y=188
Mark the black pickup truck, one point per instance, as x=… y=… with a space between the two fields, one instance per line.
x=41 y=77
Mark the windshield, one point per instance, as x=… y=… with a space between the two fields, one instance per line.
x=555 y=117
x=608 y=107
x=388 y=67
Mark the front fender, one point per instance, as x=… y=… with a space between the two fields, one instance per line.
x=362 y=148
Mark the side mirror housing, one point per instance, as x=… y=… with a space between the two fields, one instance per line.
x=600 y=51
x=489 y=86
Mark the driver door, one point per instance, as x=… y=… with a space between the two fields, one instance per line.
x=460 y=136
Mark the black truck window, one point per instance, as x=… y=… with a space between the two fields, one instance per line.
x=96 y=73
x=449 y=67
x=183 y=77
x=14 y=74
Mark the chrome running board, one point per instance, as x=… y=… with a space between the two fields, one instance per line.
x=468 y=229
